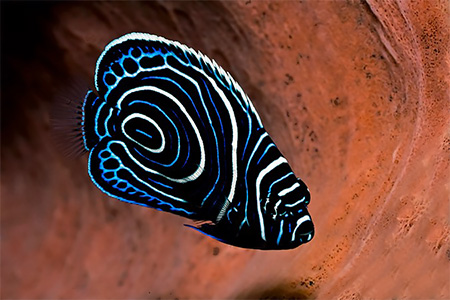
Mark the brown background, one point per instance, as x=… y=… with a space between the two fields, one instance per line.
x=355 y=95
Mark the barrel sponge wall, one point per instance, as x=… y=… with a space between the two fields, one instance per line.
x=355 y=95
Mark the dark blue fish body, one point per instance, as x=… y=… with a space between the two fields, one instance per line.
x=169 y=129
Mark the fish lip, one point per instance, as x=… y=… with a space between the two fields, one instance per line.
x=303 y=236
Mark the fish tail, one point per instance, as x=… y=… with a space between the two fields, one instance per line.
x=67 y=119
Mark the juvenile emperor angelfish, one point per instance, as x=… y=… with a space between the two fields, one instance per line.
x=167 y=128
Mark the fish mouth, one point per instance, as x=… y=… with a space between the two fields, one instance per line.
x=306 y=236
x=306 y=230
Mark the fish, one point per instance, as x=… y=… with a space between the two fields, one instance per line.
x=166 y=127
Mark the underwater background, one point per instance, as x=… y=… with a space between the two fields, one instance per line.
x=354 y=94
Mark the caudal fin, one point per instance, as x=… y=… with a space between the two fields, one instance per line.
x=67 y=119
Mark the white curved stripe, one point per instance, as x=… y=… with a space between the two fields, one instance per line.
x=234 y=141
x=261 y=175
x=141 y=116
x=296 y=203
x=182 y=180
x=106 y=123
x=299 y=222
x=201 y=166
x=275 y=208
x=233 y=121
x=285 y=191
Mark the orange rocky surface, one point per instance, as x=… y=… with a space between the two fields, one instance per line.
x=356 y=95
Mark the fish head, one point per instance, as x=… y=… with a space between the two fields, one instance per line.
x=281 y=222
x=286 y=222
